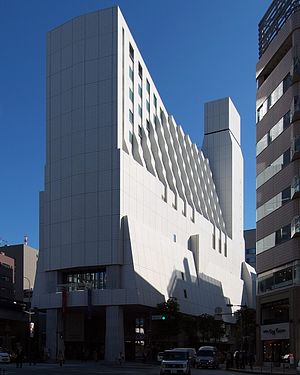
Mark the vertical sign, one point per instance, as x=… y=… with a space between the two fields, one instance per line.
x=89 y=303
x=64 y=301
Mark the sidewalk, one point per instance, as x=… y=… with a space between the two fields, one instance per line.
x=267 y=370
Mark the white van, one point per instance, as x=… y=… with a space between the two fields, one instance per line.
x=175 y=361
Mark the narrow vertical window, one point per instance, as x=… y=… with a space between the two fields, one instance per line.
x=131 y=94
x=140 y=70
x=131 y=51
x=148 y=86
x=214 y=238
x=130 y=73
x=130 y=116
x=155 y=101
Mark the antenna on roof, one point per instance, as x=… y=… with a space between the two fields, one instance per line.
x=3 y=242
x=25 y=239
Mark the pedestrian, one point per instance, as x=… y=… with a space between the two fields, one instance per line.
x=251 y=360
x=144 y=357
x=95 y=355
x=19 y=359
x=60 y=358
x=120 y=358
x=236 y=357
x=228 y=360
x=242 y=359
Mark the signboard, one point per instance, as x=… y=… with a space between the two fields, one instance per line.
x=279 y=331
x=156 y=317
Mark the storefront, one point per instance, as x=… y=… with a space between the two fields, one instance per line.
x=275 y=339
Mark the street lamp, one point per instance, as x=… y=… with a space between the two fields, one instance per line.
x=30 y=323
x=242 y=306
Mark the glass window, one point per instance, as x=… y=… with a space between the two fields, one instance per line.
x=85 y=280
x=131 y=51
x=281 y=235
x=148 y=86
x=275 y=131
x=148 y=126
x=148 y=105
x=130 y=136
x=140 y=110
x=154 y=101
x=131 y=94
x=131 y=116
x=274 y=97
x=140 y=132
x=251 y=250
x=274 y=168
x=140 y=90
x=140 y=70
x=131 y=73
x=286 y=195
x=274 y=203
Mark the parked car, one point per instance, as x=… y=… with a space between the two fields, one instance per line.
x=192 y=355
x=175 y=361
x=207 y=356
x=4 y=356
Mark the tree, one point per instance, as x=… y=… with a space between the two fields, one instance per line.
x=209 y=328
x=245 y=328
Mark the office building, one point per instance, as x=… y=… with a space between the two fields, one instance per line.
x=132 y=212
x=278 y=220
x=17 y=274
x=250 y=247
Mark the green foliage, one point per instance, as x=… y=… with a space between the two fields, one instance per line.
x=209 y=328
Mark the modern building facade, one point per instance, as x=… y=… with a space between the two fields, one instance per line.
x=7 y=279
x=17 y=276
x=278 y=225
x=250 y=247
x=132 y=212
x=25 y=262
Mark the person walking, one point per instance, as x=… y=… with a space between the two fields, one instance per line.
x=120 y=358
x=251 y=360
x=60 y=358
x=19 y=359
x=237 y=359
x=228 y=360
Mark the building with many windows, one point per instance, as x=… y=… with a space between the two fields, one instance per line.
x=17 y=276
x=132 y=212
x=250 y=247
x=278 y=220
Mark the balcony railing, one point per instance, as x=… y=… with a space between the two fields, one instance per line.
x=273 y=20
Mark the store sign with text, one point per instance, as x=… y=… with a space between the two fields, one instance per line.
x=275 y=332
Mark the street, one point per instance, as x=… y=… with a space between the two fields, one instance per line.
x=90 y=368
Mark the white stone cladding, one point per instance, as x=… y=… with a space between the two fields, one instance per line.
x=135 y=197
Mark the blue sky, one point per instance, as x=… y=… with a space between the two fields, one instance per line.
x=195 y=50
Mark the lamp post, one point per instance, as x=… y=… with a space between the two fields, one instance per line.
x=242 y=306
x=30 y=323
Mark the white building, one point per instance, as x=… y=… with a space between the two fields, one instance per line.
x=132 y=212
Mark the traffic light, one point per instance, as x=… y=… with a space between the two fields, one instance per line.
x=31 y=329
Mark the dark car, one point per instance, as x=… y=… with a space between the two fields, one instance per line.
x=207 y=357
